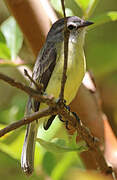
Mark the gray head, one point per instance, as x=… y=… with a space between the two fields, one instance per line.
x=74 y=24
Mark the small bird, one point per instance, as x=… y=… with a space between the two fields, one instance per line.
x=48 y=71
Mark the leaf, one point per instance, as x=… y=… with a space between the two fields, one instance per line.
x=102 y=63
x=69 y=12
x=83 y=4
x=103 y=18
x=64 y=164
x=51 y=132
x=90 y=9
x=87 y=6
x=47 y=166
x=53 y=147
x=2 y=38
x=13 y=36
x=57 y=6
x=4 y=51
x=13 y=148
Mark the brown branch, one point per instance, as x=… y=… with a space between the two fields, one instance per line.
x=66 y=39
x=26 y=120
x=30 y=91
x=93 y=144
x=38 y=86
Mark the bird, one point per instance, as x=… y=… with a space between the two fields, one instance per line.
x=48 y=71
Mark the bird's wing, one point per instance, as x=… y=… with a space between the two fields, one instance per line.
x=42 y=72
x=44 y=67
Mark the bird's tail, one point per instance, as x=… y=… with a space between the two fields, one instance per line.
x=27 y=157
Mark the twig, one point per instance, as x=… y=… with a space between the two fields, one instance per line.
x=58 y=108
x=16 y=84
x=66 y=39
x=93 y=145
x=39 y=87
x=30 y=91
x=27 y=120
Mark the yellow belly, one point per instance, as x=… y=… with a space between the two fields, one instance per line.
x=75 y=74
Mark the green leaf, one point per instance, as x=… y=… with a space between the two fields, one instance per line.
x=14 y=111
x=13 y=36
x=57 y=6
x=13 y=148
x=87 y=6
x=2 y=38
x=69 y=12
x=4 y=51
x=104 y=63
x=53 y=147
x=71 y=8
x=103 y=18
x=63 y=165
x=47 y=166
x=90 y=9
x=52 y=131
x=83 y=4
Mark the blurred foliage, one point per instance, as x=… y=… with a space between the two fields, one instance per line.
x=13 y=36
x=81 y=175
x=57 y=148
x=100 y=48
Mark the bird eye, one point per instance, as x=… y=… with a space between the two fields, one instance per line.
x=71 y=27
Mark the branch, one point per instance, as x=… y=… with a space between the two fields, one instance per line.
x=30 y=91
x=93 y=144
x=38 y=86
x=66 y=39
x=26 y=120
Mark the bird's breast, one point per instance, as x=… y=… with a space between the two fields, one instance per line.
x=75 y=72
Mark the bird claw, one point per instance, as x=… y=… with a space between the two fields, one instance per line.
x=76 y=116
x=49 y=122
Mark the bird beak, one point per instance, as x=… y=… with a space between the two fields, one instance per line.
x=86 y=23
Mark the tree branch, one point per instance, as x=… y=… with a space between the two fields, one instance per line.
x=66 y=40
x=26 y=120
x=30 y=91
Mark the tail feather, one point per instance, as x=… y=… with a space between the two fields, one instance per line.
x=27 y=157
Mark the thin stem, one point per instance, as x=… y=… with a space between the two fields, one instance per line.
x=38 y=86
x=66 y=39
x=30 y=91
x=26 y=120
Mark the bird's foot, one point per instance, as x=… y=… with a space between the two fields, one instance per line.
x=49 y=122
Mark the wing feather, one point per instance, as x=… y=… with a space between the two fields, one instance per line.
x=44 y=67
